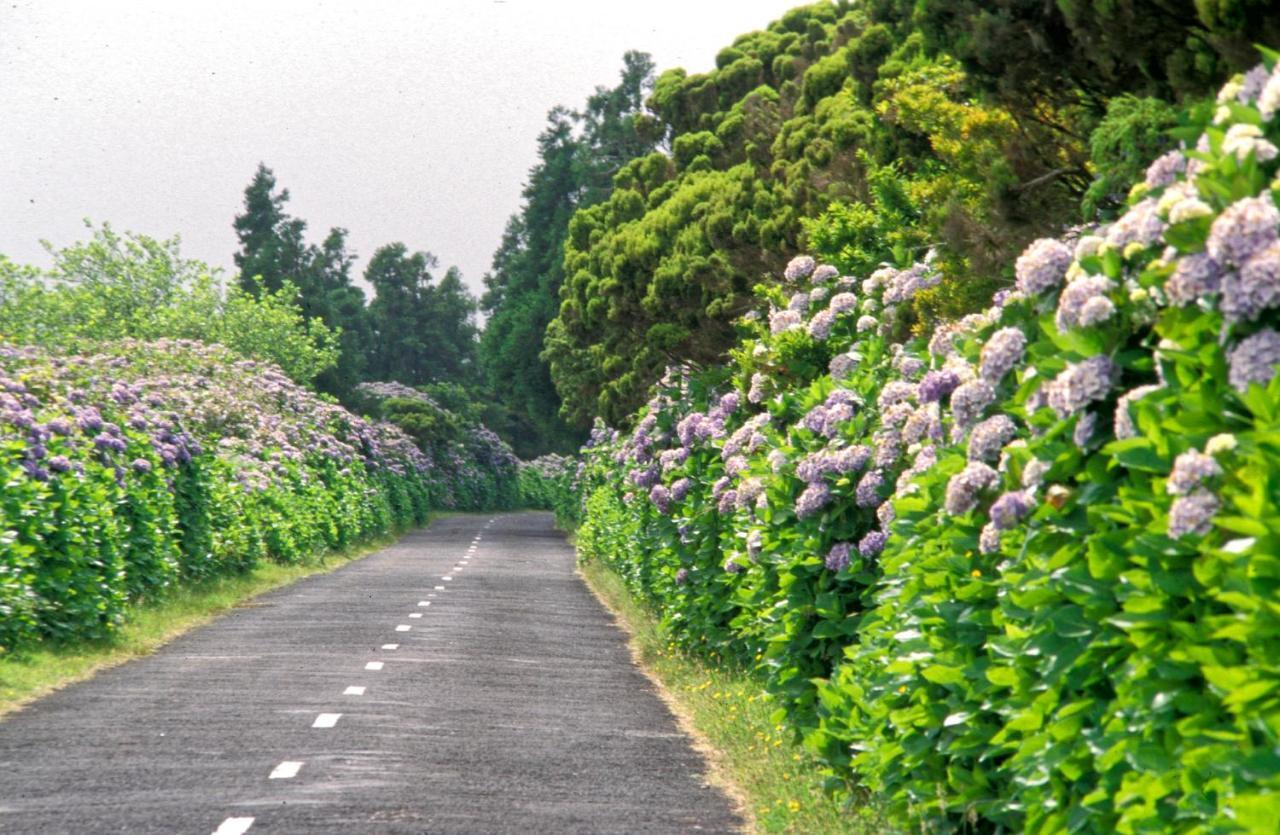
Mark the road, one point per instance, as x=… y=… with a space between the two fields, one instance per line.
x=462 y=680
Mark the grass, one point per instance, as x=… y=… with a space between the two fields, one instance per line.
x=778 y=786
x=38 y=671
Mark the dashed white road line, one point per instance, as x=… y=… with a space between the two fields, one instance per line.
x=373 y=665
x=439 y=588
x=353 y=690
x=234 y=826
x=391 y=647
x=424 y=602
x=285 y=770
x=403 y=627
x=326 y=720
x=415 y=614
x=446 y=578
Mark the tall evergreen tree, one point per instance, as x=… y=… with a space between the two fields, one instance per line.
x=273 y=246
x=578 y=154
x=423 y=332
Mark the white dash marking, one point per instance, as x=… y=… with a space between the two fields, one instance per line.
x=439 y=588
x=285 y=770
x=234 y=826
x=373 y=665
x=391 y=646
x=404 y=627
x=446 y=578
x=424 y=602
x=326 y=720
x=353 y=690
x=415 y=615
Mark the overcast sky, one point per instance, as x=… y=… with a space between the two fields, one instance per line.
x=410 y=121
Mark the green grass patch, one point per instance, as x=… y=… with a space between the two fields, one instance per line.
x=39 y=670
x=776 y=782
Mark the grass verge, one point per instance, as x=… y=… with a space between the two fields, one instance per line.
x=776 y=783
x=40 y=670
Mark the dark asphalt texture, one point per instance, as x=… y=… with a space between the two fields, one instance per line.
x=511 y=705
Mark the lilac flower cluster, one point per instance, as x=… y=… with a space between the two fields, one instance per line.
x=966 y=486
x=1254 y=360
x=1042 y=266
x=1081 y=384
x=1002 y=351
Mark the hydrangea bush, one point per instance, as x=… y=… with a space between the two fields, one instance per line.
x=1019 y=574
x=478 y=470
x=153 y=463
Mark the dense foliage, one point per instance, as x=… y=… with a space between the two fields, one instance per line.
x=477 y=470
x=1018 y=574
x=147 y=464
x=132 y=286
x=416 y=329
x=578 y=154
x=871 y=131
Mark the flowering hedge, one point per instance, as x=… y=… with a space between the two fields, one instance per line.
x=153 y=463
x=1020 y=575
x=549 y=482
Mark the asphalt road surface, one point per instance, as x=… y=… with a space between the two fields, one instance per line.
x=462 y=680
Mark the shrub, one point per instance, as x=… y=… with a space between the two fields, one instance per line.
x=1017 y=576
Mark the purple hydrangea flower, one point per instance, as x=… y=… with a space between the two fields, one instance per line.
x=1255 y=288
x=838 y=557
x=59 y=464
x=885 y=514
x=1042 y=266
x=680 y=489
x=867 y=493
x=1142 y=225
x=813 y=499
x=936 y=385
x=1190 y=470
x=1010 y=509
x=1003 y=351
x=1074 y=304
x=661 y=498
x=989 y=539
x=965 y=486
x=1195 y=277
x=800 y=267
x=825 y=272
x=728 y=502
x=729 y=403
x=1165 y=170
x=781 y=321
x=989 y=437
x=1243 y=228
x=799 y=302
x=842 y=303
x=1192 y=514
x=734 y=567
x=1080 y=384
x=873 y=543
x=841 y=365
x=682 y=576
x=1084 y=428
x=820 y=325
x=969 y=401
x=1254 y=360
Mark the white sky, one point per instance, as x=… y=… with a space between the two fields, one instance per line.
x=410 y=121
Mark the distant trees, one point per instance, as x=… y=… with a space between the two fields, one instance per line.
x=423 y=329
x=415 y=330
x=126 y=286
x=578 y=155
